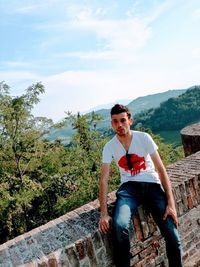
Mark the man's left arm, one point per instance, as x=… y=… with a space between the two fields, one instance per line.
x=165 y=181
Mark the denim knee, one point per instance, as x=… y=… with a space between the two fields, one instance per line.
x=120 y=233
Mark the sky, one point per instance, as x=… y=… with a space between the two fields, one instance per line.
x=89 y=53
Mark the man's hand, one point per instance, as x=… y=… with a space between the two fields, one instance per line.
x=171 y=211
x=105 y=224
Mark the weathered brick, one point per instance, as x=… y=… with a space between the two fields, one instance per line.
x=103 y=259
x=159 y=260
x=42 y=264
x=107 y=241
x=97 y=240
x=147 y=251
x=14 y=256
x=134 y=260
x=63 y=259
x=145 y=229
x=137 y=228
x=150 y=259
x=185 y=256
x=80 y=248
x=72 y=256
x=85 y=263
x=30 y=264
x=52 y=263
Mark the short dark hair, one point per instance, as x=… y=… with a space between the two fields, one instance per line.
x=118 y=108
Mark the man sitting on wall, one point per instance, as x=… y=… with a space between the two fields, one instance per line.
x=144 y=180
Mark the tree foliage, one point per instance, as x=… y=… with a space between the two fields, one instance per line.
x=21 y=151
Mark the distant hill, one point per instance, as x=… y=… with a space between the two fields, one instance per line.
x=63 y=134
x=109 y=105
x=152 y=101
x=137 y=105
x=140 y=104
x=173 y=114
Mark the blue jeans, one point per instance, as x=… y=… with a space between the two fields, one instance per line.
x=130 y=195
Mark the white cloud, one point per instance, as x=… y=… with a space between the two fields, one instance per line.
x=27 y=8
x=197 y=14
x=127 y=33
x=118 y=40
x=80 y=90
x=196 y=53
x=92 y=55
x=19 y=80
x=16 y=64
x=115 y=40
x=158 y=10
x=21 y=7
x=18 y=76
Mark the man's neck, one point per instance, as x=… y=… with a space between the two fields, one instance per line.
x=125 y=140
x=126 y=136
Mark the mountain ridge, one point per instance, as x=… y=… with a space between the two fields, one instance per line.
x=136 y=106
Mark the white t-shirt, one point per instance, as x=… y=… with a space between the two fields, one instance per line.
x=138 y=165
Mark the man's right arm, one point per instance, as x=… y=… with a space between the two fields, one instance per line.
x=105 y=219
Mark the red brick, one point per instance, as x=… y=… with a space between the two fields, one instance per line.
x=148 y=260
x=190 y=202
x=89 y=248
x=138 y=231
x=80 y=249
x=52 y=263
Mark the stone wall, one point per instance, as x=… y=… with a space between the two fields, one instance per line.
x=190 y=136
x=73 y=239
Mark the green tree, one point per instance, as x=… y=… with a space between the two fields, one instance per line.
x=84 y=159
x=20 y=152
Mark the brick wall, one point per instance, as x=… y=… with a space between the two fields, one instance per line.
x=73 y=239
x=190 y=136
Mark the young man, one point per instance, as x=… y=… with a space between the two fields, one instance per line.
x=142 y=174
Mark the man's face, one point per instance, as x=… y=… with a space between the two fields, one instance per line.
x=121 y=123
